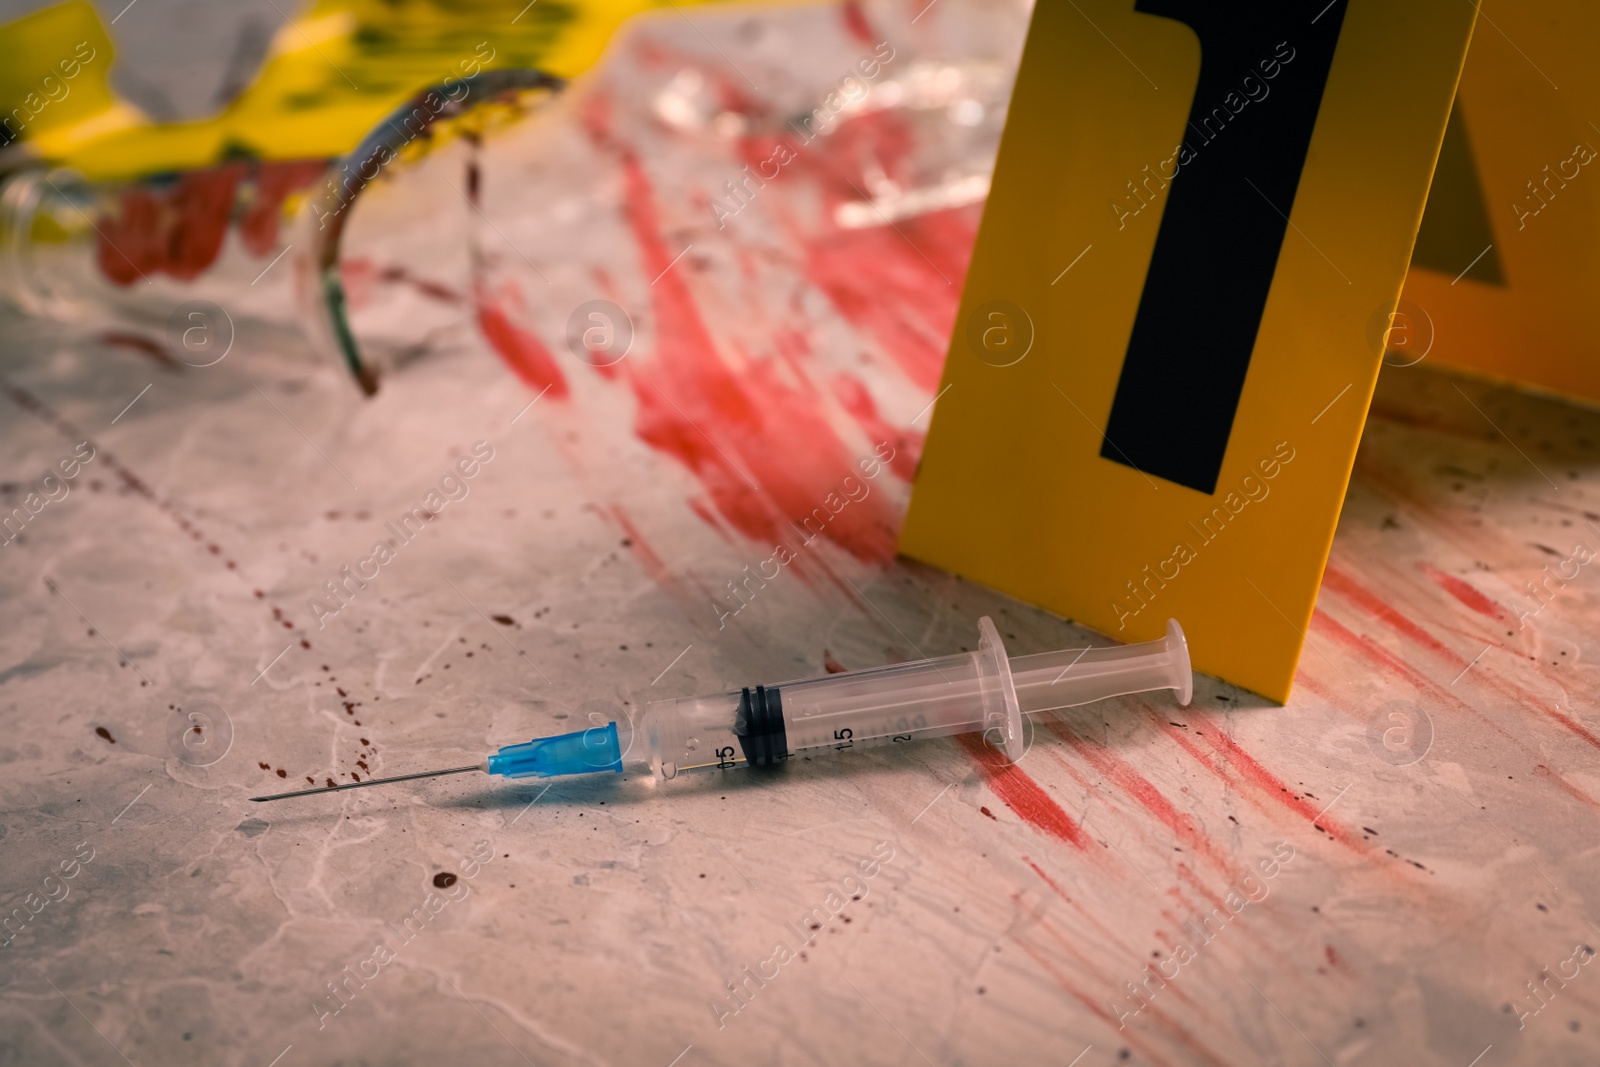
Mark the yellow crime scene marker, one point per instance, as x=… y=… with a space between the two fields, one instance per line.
x=1164 y=353
x=1506 y=272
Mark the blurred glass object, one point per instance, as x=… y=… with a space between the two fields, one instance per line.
x=788 y=143
x=275 y=244
x=491 y=205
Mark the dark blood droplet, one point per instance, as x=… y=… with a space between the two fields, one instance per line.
x=444 y=879
x=103 y=732
x=504 y=620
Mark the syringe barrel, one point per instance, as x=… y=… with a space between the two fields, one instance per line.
x=963 y=693
x=885 y=705
x=767 y=724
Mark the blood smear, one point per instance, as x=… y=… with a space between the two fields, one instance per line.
x=757 y=439
x=1021 y=793
x=521 y=349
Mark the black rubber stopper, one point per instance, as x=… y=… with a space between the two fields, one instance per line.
x=759 y=727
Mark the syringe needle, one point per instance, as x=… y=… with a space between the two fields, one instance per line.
x=373 y=781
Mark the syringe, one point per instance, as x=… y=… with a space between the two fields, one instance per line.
x=761 y=726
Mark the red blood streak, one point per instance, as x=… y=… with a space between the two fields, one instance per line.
x=751 y=432
x=139 y=343
x=907 y=444
x=1574 y=725
x=1062 y=893
x=1354 y=592
x=522 y=350
x=1098 y=1002
x=900 y=284
x=1463 y=592
x=1129 y=780
x=1188 y=878
x=1020 y=793
x=431 y=289
x=1245 y=766
x=595 y=114
x=707 y=516
x=888 y=290
x=855 y=20
x=652 y=563
x=361 y=276
x=1325 y=625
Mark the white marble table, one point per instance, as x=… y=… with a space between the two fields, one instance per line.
x=1315 y=883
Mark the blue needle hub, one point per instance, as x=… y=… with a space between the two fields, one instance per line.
x=583 y=752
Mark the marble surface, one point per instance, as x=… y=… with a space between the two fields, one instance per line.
x=1374 y=874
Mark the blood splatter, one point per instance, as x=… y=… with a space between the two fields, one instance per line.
x=1370 y=602
x=653 y=564
x=103 y=732
x=521 y=349
x=855 y=20
x=1463 y=592
x=756 y=440
x=1021 y=793
x=905 y=303
x=1126 y=777
x=907 y=444
x=139 y=343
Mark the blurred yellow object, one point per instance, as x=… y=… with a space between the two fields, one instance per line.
x=1506 y=271
x=54 y=87
x=332 y=73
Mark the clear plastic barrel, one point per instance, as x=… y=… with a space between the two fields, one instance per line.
x=690 y=734
x=888 y=705
x=964 y=693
